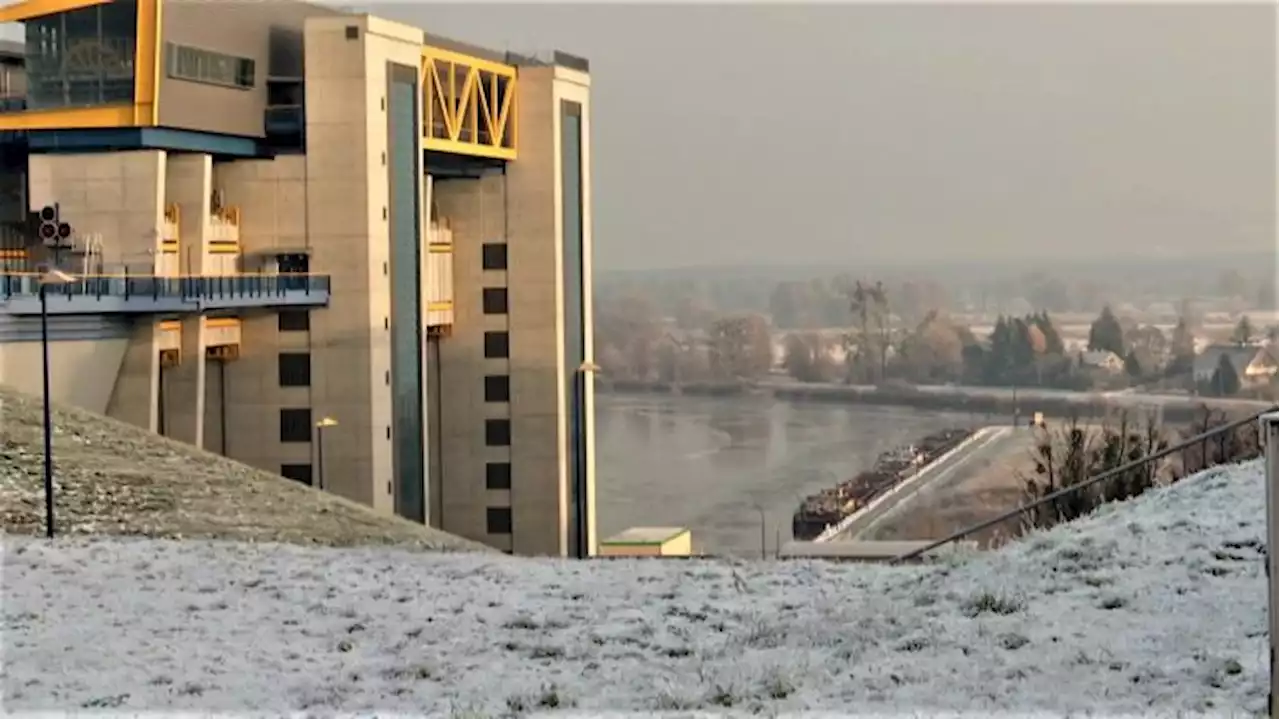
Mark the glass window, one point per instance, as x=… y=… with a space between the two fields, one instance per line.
x=295 y=369
x=498 y=520
x=497 y=475
x=497 y=388
x=294 y=320
x=82 y=57
x=197 y=65
x=497 y=432
x=493 y=256
x=497 y=345
x=495 y=300
x=295 y=425
x=297 y=472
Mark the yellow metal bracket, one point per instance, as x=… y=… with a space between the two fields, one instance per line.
x=469 y=105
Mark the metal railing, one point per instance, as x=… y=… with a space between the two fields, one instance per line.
x=190 y=287
x=1185 y=444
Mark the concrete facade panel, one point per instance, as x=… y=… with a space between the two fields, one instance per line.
x=270 y=34
x=81 y=373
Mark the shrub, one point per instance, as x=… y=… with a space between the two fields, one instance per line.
x=1074 y=453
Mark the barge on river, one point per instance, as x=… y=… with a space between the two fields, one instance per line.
x=831 y=505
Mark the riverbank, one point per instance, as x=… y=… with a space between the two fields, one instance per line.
x=974 y=400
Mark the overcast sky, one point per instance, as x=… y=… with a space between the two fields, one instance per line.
x=762 y=134
x=803 y=134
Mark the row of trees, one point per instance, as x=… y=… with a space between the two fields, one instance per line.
x=633 y=342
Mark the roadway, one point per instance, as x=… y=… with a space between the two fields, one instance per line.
x=991 y=445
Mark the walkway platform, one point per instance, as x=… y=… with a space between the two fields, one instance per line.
x=148 y=295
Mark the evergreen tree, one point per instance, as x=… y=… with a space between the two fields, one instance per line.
x=997 y=360
x=1243 y=333
x=1132 y=366
x=1053 y=344
x=1106 y=334
x=1225 y=382
x=1182 y=348
x=1021 y=353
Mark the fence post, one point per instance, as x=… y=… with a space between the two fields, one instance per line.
x=1269 y=433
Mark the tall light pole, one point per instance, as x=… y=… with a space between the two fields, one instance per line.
x=321 y=426
x=52 y=277
x=764 y=550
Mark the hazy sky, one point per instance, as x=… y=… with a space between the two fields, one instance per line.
x=804 y=134
x=827 y=133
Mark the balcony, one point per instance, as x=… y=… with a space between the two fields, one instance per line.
x=122 y=294
x=224 y=230
x=439 y=277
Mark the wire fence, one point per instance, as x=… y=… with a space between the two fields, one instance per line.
x=1190 y=443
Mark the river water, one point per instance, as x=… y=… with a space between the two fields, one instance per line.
x=713 y=465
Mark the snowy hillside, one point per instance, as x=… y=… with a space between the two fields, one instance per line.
x=1152 y=607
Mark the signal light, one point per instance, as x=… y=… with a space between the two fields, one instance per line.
x=50 y=226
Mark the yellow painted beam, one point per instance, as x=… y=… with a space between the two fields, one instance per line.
x=79 y=118
x=458 y=58
x=458 y=147
x=220 y=322
x=28 y=9
x=147 y=61
x=145 y=110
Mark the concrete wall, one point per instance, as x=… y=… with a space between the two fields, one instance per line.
x=81 y=372
x=271 y=195
x=475 y=211
x=523 y=209
x=346 y=81
x=269 y=33
x=119 y=196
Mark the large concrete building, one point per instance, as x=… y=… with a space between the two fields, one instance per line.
x=325 y=244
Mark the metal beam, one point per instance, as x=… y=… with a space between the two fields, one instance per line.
x=28 y=9
x=468 y=105
x=145 y=108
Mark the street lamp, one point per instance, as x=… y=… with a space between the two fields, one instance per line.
x=51 y=277
x=321 y=426
x=764 y=550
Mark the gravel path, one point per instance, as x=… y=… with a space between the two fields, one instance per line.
x=114 y=478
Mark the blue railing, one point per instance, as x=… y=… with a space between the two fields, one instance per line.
x=148 y=293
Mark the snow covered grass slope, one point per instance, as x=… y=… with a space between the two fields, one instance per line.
x=1152 y=607
x=114 y=478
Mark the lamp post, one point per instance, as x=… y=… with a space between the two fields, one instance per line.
x=51 y=277
x=764 y=550
x=321 y=426
x=1269 y=433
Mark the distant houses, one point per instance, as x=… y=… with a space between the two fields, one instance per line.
x=1254 y=365
x=1102 y=360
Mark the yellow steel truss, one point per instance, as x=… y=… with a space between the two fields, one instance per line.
x=469 y=105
